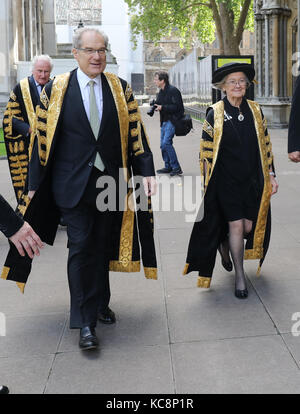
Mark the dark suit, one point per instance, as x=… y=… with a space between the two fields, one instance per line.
x=294 y=123
x=73 y=182
x=10 y=222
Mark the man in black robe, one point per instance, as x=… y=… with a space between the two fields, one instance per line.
x=20 y=119
x=89 y=127
x=294 y=126
x=21 y=235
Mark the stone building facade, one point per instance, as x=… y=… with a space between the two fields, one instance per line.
x=27 y=28
x=167 y=53
x=277 y=58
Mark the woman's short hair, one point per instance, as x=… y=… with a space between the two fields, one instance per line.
x=77 y=37
x=45 y=58
x=162 y=76
x=219 y=85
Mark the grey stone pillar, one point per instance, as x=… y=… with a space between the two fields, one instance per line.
x=7 y=70
x=271 y=60
x=49 y=30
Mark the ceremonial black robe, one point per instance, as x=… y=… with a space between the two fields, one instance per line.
x=210 y=228
x=18 y=117
x=132 y=233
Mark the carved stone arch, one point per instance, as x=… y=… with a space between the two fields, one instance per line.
x=157 y=54
x=180 y=55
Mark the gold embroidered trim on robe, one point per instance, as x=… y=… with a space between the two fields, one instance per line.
x=58 y=91
x=259 y=234
x=122 y=110
x=208 y=128
x=126 y=234
x=203 y=282
x=115 y=266
x=150 y=272
x=266 y=160
x=24 y=84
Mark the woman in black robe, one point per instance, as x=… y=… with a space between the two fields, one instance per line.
x=237 y=163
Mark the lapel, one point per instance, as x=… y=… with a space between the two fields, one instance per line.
x=78 y=109
x=106 y=102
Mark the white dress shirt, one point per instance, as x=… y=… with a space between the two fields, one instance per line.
x=84 y=86
x=38 y=86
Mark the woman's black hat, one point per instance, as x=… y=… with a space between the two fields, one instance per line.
x=232 y=67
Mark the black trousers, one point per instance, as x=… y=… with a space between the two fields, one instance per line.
x=88 y=263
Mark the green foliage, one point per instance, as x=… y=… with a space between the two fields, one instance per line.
x=2 y=145
x=192 y=19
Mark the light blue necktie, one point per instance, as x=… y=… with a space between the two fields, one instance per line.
x=95 y=123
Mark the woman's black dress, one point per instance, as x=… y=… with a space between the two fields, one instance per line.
x=237 y=165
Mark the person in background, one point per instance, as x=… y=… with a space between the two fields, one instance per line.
x=170 y=106
x=20 y=118
x=294 y=126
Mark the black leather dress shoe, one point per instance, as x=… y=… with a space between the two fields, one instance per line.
x=4 y=389
x=107 y=316
x=177 y=171
x=241 y=294
x=88 y=338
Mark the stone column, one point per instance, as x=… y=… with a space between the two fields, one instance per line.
x=271 y=60
x=7 y=70
x=49 y=30
x=20 y=34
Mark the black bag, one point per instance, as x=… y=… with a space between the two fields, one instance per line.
x=183 y=125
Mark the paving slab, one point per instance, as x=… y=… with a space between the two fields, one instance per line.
x=197 y=315
x=141 y=320
x=128 y=370
x=245 y=365
x=170 y=336
x=281 y=300
x=32 y=335
x=27 y=375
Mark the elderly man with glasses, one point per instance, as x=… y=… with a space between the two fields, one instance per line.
x=19 y=117
x=89 y=129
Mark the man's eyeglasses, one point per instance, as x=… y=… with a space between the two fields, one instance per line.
x=91 y=52
x=241 y=82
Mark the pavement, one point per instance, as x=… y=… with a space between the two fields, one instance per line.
x=170 y=337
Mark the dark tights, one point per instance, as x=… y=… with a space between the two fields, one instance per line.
x=238 y=229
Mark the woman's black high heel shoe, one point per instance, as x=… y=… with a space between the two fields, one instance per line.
x=241 y=294
x=227 y=265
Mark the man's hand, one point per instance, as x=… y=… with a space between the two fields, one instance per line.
x=158 y=107
x=294 y=156
x=274 y=185
x=27 y=239
x=149 y=186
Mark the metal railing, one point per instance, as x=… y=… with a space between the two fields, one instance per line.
x=195 y=113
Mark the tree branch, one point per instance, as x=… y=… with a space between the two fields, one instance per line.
x=218 y=24
x=241 y=23
x=196 y=4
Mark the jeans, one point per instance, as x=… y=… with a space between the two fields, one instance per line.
x=169 y=156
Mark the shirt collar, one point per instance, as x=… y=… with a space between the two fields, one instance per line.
x=83 y=78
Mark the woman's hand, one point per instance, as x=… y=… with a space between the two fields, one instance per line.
x=274 y=185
